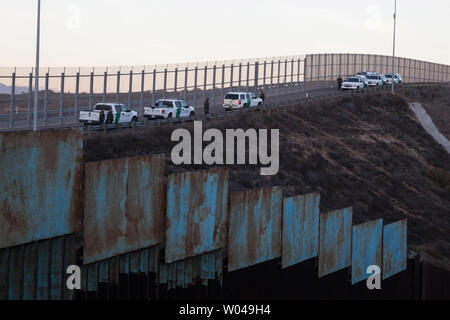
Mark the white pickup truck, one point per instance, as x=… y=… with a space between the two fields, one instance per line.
x=169 y=108
x=120 y=114
x=237 y=100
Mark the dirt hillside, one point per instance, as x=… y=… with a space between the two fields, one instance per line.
x=368 y=152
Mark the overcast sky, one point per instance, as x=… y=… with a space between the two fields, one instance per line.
x=143 y=32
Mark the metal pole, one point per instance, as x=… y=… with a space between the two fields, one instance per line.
x=46 y=100
x=61 y=99
x=130 y=90
x=30 y=98
x=77 y=90
x=105 y=85
x=118 y=87
x=141 y=102
x=36 y=86
x=393 y=50
x=91 y=91
x=186 y=70
x=13 y=100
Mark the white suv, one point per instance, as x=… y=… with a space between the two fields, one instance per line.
x=397 y=78
x=169 y=108
x=236 y=100
x=353 y=83
x=375 y=80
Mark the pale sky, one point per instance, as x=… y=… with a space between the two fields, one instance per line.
x=142 y=32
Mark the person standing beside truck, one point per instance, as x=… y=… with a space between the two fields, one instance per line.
x=102 y=117
x=262 y=96
x=110 y=116
x=339 y=83
x=206 y=106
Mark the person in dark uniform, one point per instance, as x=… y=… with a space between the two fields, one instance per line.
x=262 y=96
x=206 y=105
x=339 y=83
x=102 y=117
x=109 y=117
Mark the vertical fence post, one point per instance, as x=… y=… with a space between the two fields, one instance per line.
x=118 y=87
x=332 y=67
x=77 y=91
x=214 y=83
x=61 y=101
x=223 y=78
x=141 y=102
x=271 y=77
x=319 y=59
x=130 y=90
x=105 y=85
x=304 y=73
x=91 y=91
x=195 y=84
x=186 y=70
x=279 y=76
x=248 y=76
x=325 y=69
x=264 y=76
x=348 y=64
x=13 y=100
x=354 y=63
x=292 y=73
x=205 y=82
x=175 y=82
x=256 y=77
x=30 y=93
x=240 y=76
x=285 y=74
x=165 y=84
x=231 y=76
x=154 y=87
x=299 y=64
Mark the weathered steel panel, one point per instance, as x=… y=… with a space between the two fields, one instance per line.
x=4 y=267
x=70 y=258
x=367 y=248
x=196 y=213
x=29 y=276
x=43 y=271
x=56 y=285
x=395 y=248
x=15 y=273
x=40 y=185
x=300 y=237
x=123 y=206
x=255 y=227
x=335 y=241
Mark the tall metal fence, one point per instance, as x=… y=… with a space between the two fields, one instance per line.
x=323 y=67
x=63 y=92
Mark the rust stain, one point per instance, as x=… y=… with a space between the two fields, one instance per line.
x=123 y=207
x=40 y=184
x=255 y=227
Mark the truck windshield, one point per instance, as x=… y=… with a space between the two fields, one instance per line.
x=389 y=76
x=101 y=107
x=232 y=96
x=373 y=78
x=164 y=104
x=353 y=80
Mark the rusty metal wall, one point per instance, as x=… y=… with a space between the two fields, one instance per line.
x=196 y=213
x=37 y=271
x=367 y=248
x=335 y=241
x=40 y=185
x=395 y=248
x=123 y=207
x=255 y=227
x=300 y=237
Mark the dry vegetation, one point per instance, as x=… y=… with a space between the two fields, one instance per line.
x=367 y=151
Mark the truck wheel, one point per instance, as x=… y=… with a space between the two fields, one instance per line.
x=169 y=116
x=192 y=114
x=245 y=105
x=135 y=119
x=259 y=104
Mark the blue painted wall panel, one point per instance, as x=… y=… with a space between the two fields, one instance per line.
x=300 y=238
x=255 y=227
x=335 y=241
x=367 y=248
x=196 y=213
x=40 y=185
x=123 y=206
x=395 y=248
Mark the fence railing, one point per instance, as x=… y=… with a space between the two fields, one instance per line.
x=63 y=92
